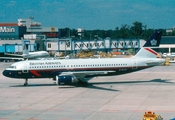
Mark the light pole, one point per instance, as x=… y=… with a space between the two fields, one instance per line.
x=31 y=19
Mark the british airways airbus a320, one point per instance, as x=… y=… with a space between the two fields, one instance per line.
x=68 y=71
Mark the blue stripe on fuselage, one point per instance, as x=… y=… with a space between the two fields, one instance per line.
x=28 y=74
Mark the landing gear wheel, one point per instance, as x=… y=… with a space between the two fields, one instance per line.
x=26 y=82
x=83 y=83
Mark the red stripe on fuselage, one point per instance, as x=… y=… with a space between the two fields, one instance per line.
x=150 y=50
x=35 y=73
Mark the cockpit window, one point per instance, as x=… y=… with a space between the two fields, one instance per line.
x=13 y=67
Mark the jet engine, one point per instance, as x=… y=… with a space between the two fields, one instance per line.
x=65 y=80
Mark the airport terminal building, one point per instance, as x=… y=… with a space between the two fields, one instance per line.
x=48 y=39
x=11 y=31
x=12 y=35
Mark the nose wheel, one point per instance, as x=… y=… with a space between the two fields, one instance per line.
x=26 y=82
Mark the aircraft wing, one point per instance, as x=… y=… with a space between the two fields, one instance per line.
x=18 y=55
x=82 y=74
x=11 y=58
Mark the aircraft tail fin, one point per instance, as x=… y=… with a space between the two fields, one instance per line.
x=153 y=41
x=146 y=53
x=25 y=49
x=25 y=45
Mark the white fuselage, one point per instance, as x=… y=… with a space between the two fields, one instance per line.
x=36 y=54
x=51 y=68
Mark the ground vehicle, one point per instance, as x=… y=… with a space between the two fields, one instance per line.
x=149 y=115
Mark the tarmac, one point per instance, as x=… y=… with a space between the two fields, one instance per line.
x=122 y=97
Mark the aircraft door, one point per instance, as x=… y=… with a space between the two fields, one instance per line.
x=25 y=68
x=134 y=63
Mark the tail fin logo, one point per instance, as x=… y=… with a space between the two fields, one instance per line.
x=153 y=42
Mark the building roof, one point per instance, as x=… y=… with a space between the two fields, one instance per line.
x=13 y=42
x=8 y=24
x=168 y=40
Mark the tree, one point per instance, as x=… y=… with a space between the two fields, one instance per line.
x=124 y=31
x=65 y=32
x=137 y=28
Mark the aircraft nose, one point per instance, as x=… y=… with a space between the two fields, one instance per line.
x=6 y=73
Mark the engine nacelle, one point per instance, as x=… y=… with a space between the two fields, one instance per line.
x=65 y=80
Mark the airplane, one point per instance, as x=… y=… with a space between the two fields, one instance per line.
x=69 y=71
x=170 y=55
x=26 y=55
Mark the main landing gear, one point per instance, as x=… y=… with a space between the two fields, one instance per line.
x=26 y=82
x=83 y=83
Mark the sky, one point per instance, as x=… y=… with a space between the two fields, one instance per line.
x=91 y=14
